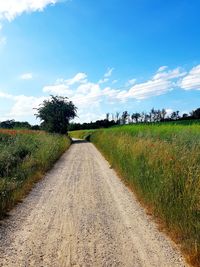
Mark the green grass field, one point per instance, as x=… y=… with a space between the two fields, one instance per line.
x=24 y=157
x=161 y=162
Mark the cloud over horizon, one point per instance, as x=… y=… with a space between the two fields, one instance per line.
x=88 y=95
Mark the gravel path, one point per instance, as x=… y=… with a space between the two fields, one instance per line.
x=81 y=214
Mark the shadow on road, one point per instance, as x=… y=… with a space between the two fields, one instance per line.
x=78 y=141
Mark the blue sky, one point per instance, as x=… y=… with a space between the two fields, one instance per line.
x=106 y=56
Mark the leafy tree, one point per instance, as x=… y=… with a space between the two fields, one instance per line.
x=125 y=117
x=56 y=113
x=35 y=127
x=175 y=115
x=163 y=114
x=185 y=115
x=107 y=116
x=135 y=117
x=92 y=125
x=117 y=117
x=196 y=113
x=152 y=115
x=12 y=124
x=9 y=124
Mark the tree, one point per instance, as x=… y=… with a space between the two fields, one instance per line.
x=56 y=114
x=163 y=114
x=9 y=124
x=135 y=117
x=196 y=113
x=107 y=116
x=117 y=119
x=125 y=117
x=175 y=115
x=152 y=115
x=12 y=124
x=185 y=115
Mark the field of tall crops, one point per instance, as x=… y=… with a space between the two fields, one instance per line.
x=24 y=157
x=162 y=165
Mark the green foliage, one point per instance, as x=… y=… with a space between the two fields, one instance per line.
x=196 y=113
x=24 y=157
x=12 y=124
x=56 y=113
x=92 y=125
x=162 y=163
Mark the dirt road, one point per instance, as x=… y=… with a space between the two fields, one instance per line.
x=81 y=214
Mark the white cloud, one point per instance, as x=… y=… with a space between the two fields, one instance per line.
x=131 y=82
x=170 y=74
x=109 y=72
x=58 y=89
x=24 y=106
x=104 y=80
x=114 y=81
x=90 y=116
x=168 y=111
x=162 y=82
x=87 y=95
x=26 y=76
x=78 y=78
x=62 y=87
x=191 y=80
x=6 y=96
x=148 y=89
x=106 y=76
x=162 y=68
x=10 y=9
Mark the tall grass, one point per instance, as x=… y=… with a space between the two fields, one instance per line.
x=162 y=164
x=24 y=157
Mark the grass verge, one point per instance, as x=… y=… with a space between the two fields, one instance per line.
x=162 y=164
x=24 y=157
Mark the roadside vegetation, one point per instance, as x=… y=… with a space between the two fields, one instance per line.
x=26 y=153
x=161 y=163
x=24 y=157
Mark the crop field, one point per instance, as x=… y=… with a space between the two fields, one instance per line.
x=161 y=163
x=24 y=157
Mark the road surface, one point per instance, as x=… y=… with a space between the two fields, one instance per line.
x=81 y=214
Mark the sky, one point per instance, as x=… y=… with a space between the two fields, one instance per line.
x=106 y=56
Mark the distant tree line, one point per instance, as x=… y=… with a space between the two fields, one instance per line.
x=92 y=125
x=155 y=115
x=12 y=124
